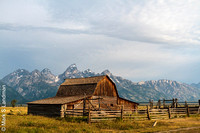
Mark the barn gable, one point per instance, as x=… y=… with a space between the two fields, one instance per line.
x=106 y=87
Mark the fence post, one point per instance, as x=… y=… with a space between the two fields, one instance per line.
x=151 y=103
x=176 y=103
x=186 y=104
x=199 y=107
x=62 y=114
x=163 y=103
x=84 y=101
x=148 y=115
x=62 y=111
x=122 y=112
x=173 y=103
x=136 y=111
x=169 y=112
x=187 y=110
x=89 y=115
x=159 y=103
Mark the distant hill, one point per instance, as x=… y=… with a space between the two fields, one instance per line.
x=38 y=85
x=11 y=94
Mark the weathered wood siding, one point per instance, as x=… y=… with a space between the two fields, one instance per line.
x=105 y=88
x=126 y=103
x=77 y=104
x=107 y=102
x=44 y=109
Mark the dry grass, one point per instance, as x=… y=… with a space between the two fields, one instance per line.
x=17 y=121
x=16 y=110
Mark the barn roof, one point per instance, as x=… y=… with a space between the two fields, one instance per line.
x=88 y=80
x=128 y=100
x=58 y=100
x=77 y=89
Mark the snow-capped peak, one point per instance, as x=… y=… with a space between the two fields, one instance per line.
x=71 y=69
x=88 y=71
x=46 y=71
x=106 y=72
x=56 y=79
x=72 y=65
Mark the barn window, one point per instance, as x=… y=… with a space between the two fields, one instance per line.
x=70 y=106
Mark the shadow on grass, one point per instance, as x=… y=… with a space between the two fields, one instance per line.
x=73 y=119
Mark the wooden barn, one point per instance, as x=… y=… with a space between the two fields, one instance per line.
x=100 y=93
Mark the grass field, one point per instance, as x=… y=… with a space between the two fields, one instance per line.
x=17 y=121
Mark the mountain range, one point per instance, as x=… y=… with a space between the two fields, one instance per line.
x=11 y=94
x=28 y=86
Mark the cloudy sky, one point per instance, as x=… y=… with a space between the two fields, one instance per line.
x=136 y=39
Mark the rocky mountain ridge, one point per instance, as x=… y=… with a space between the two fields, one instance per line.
x=10 y=94
x=42 y=84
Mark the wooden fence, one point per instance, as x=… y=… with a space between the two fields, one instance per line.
x=166 y=103
x=96 y=116
x=74 y=112
x=135 y=114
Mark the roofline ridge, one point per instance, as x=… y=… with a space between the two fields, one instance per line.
x=80 y=84
x=88 y=77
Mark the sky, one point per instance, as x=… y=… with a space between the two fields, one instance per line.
x=136 y=39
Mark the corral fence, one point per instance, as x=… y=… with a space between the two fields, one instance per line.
x=134 y=114
x=173 y=103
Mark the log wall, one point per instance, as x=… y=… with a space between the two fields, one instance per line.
x=107 y=102
x=126 y=103
x=44 y=109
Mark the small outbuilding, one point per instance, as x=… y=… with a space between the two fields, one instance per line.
x=99 y=92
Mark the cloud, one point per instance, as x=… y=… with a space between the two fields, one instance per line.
x=14 y=27
x=145 y=61
x=150 y=21
x=139 y=40
x=23 y=12
x=163 y=22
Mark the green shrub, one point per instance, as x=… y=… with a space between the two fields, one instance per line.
x=31 y=124
x=74 y=131
x=13 y=103
x=76 y=119
x=10 y=113
x=19 y=113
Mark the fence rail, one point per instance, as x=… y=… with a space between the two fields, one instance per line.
x=134 y=114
